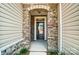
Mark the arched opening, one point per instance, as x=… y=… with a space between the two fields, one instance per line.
x=45 y=16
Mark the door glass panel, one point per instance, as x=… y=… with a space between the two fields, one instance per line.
x=40 y=30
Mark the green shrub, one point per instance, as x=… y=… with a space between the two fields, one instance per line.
x=23 y=51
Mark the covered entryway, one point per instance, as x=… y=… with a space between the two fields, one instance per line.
x=38 y=31
x=43 y=26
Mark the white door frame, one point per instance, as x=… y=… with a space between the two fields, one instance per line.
x=36 y=24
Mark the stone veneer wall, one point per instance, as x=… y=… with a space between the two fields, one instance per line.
x=26 y=26
x=13 y=49
x=52 y=29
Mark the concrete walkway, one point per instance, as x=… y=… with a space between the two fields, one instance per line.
x=38 y=47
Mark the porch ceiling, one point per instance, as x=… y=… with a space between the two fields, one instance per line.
x=38 y=12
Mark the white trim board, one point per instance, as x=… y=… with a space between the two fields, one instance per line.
x=60 y=29
x=35 y=26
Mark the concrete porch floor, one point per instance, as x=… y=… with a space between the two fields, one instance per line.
x=38 y=47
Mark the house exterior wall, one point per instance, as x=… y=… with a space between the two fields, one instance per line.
x=11 y=16
x=15 y=27
x=70 y=20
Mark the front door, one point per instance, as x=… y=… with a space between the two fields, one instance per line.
x=40 y=30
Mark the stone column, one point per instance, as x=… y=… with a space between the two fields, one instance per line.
x=26 y=27
x=52 y=31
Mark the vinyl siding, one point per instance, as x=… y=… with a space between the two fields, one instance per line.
x=70 y=20
x=11 y=16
